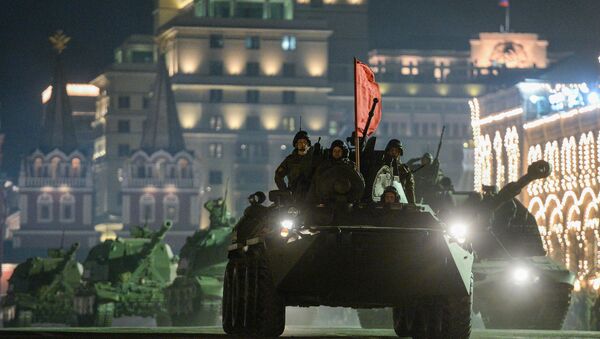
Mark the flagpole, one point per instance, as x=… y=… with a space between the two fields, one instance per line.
x=356 y=138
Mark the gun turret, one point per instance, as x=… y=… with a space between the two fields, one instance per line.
x=156 y=238
x=537 y=170
x=71 y=252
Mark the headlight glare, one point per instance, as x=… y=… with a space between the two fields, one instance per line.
x=459 y=231
x=287 y=223
x=521 y=275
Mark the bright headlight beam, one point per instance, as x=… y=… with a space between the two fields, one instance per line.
x=459 y=232
x=520 y=275
x=287 y=223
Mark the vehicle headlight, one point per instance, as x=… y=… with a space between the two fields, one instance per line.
x=522 y=275
x=287 y=223
x=459 y=231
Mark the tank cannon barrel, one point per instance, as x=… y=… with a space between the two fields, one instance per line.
x=537 y=170
x=69 y=254
x=156 y=237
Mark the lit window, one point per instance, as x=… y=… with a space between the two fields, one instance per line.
x=333 y=127
x=215 y=150
x=216 y=123
x=252 y=42
x=288 y=43
x=289 y=123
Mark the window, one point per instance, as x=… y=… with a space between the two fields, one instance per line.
x=249 y=9
x=289 y=124
x=215 y=150
x=434 y=128
x=215 y=177
x=216 y=95
x=277 y=11
x=124 y=150
x=123 y=126
x=142 y=57
x=123 y=102
x=216 y=122
x=252 y=123
x=425 y=130
x=216 y=41
x=76 y=167
x=44 y=208
x=216 y=68
x=252 y=42
x=171 y=207
x=252 y=69
x=289 y=97
x=333 y=127
x=252 y=96
x=55 y=167
x=220 y=8
x=289 y=70
x=403 y=128
x=67 y=208
x=37 y=167
x=146 y=102
x=147 y=207
x=415 y=129
x=288 y=43
x=199 y=9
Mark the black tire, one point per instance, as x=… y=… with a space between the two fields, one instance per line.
x=456 y=315
x=226 y=311
x=375 y=318
x=403 y=320
x=555 y=308
x=268 y=305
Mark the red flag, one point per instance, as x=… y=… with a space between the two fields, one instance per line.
x=503 y=3
x=366 y=89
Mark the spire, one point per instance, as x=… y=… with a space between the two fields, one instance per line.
x=58 y=130
x=162 y=130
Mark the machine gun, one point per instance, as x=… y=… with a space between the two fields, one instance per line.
x=155 y=239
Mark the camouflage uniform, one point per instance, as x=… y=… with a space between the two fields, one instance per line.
x=219 y=216
x=298 y=170
x=400 y=170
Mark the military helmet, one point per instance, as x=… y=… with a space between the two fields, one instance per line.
x=338 y=143
x=395 y=143
x=301 y=135
x=428 y=156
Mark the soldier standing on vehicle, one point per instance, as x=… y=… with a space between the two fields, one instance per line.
x=297 y=167
x=393 y=151
x=390 y=195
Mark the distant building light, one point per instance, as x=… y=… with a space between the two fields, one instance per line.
x=288 y=43
x=74 y=90
x=593 y=98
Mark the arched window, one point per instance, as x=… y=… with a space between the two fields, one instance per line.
x=37 y=167
x=44 y=208
x=161 y=168
x=171 y=207
x=147 y=208
x=67 y=208
x=184 y=168
x=76 y=167
x=55 y=167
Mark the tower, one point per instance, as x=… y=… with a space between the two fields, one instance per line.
x=159 y=181
x=55 y=179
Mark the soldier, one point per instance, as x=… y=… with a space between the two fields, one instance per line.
x=219 y=216
x=390 y=195
x=427 y=177
x=393 y=151
x=337 y=155
x=297 y=167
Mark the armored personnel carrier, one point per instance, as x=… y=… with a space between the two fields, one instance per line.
x=41 y=290
x=342 y=252
x=516 y=285
x=194 y=297
x=126 y=277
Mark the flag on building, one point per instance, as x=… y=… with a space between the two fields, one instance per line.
x=366 y=89
x=503 y=3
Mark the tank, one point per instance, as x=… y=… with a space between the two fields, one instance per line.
x=126 y=277
x=516 y=284
x=41 y=290
x=342 y=252
x=194 y=297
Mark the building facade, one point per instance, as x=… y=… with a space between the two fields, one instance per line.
x=559 y=123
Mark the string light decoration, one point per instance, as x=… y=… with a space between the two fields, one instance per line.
x=511 y=142
x=499 y=163
x=477 y=163
x=486 y=158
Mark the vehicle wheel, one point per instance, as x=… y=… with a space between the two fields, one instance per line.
x=375 y=318
x=104 y=315
x=554 y=309
x=456 y=316
x=403 y=318
x=226 y=309
x=269 y=314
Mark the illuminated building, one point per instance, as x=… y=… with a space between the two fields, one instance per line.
x=560 y=123
x=55 y=180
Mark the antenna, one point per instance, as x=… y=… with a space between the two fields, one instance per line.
x=300 y=123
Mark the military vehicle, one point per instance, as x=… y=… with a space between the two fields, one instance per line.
x=516 y=285
x=194 y=297
x=41 y=290
x=126 y=277
x=342 y=252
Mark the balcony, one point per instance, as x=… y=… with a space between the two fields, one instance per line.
x=157 y=182
x=55 y=182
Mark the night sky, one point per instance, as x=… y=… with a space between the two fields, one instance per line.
x=97 y=27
